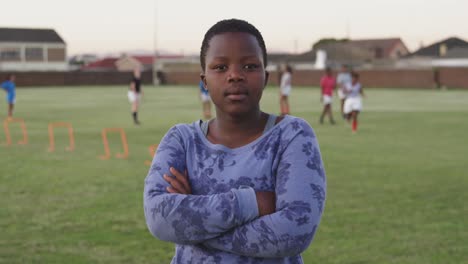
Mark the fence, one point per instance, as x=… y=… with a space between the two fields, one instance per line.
x=426 y=78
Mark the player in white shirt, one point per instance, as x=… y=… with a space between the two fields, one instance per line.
x=285 y=90
x=353 y=103
x=343 y=79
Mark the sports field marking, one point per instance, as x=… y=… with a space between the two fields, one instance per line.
x=105 y=141
x=152 y=150
x=6 y=126
x=71 y=147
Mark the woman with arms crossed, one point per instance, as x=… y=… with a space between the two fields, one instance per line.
x=247 y=186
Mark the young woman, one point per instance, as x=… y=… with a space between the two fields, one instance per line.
x=327 y=84
x=343 y=80
x=206 y=100
x=285 y=90
x=353 y=102
x=134 y=94
x=10 y=87
x=246 y=186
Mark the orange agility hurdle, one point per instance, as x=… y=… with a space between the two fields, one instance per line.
x=6 y=126
x=152 y=151
x=123 y=137
x=70 y=135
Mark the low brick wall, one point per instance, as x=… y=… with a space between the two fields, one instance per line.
x=398 y=78
x=24 y=79
x=425 y=79
x=454 y=77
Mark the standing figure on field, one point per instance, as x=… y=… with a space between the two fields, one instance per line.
x=246 y=186
x=327 y=85
x=135 y=93
x=206 y=100
x=285 y=90
x=342 y=81
x=10 y=88
x=353 y=103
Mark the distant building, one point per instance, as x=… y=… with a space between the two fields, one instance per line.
x=26 y=49
x=302 y=61
x=450 y=52
x=105 y=64
x=440 y=48
x=128 y=63
x=77 y=61
x=366 y=52
x=386 y=48
x=125 y=63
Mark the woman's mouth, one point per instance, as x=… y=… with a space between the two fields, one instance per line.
x=236 y=96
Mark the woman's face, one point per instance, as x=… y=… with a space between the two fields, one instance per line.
x=235 y=73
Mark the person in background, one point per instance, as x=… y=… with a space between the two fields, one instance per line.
x=10 y=88
x=285 y=90
x=342 y=81
x=279 y=73
x=135 y=93
x=353 y=103
x=206 y=100
x=246 y=186
x=327 y=84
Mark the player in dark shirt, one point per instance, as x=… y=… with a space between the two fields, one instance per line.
x=134 y=94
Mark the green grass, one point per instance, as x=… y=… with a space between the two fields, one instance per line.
x=397 y=190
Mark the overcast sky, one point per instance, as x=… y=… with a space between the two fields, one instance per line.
x=103 y=26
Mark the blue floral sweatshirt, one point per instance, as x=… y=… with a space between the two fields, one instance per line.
x=219 y=222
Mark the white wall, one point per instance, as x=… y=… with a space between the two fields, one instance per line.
x=36 y=65
x=431 y=63
x=33 y=66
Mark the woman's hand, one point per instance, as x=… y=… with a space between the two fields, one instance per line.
x=266 y=202
x=179 y=183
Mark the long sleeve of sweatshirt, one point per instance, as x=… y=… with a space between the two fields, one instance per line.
x=300 y=189
x=219 y=222
x=189 y=219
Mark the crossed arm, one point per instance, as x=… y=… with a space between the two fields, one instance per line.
x=190 y=219
x=240 y=221
x=179 y=184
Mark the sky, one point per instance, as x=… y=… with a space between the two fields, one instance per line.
x=177 y=26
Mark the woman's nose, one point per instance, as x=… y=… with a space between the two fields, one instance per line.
x=235 y=74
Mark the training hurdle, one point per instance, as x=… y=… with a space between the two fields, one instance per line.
x=152 y=151
x=6 y=126
x=52 y=138
x=105 y=141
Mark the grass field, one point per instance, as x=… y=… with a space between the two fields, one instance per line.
x=397 y=190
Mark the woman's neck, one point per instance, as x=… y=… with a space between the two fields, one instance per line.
x=236 y=131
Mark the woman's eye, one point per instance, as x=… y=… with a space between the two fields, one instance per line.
x=220 y=67
x=251 y=66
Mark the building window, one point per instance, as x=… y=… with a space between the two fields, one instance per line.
x=56 y=54
x=442 y=50
x=34 y=54
x=10 y=54
x=378 y=53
